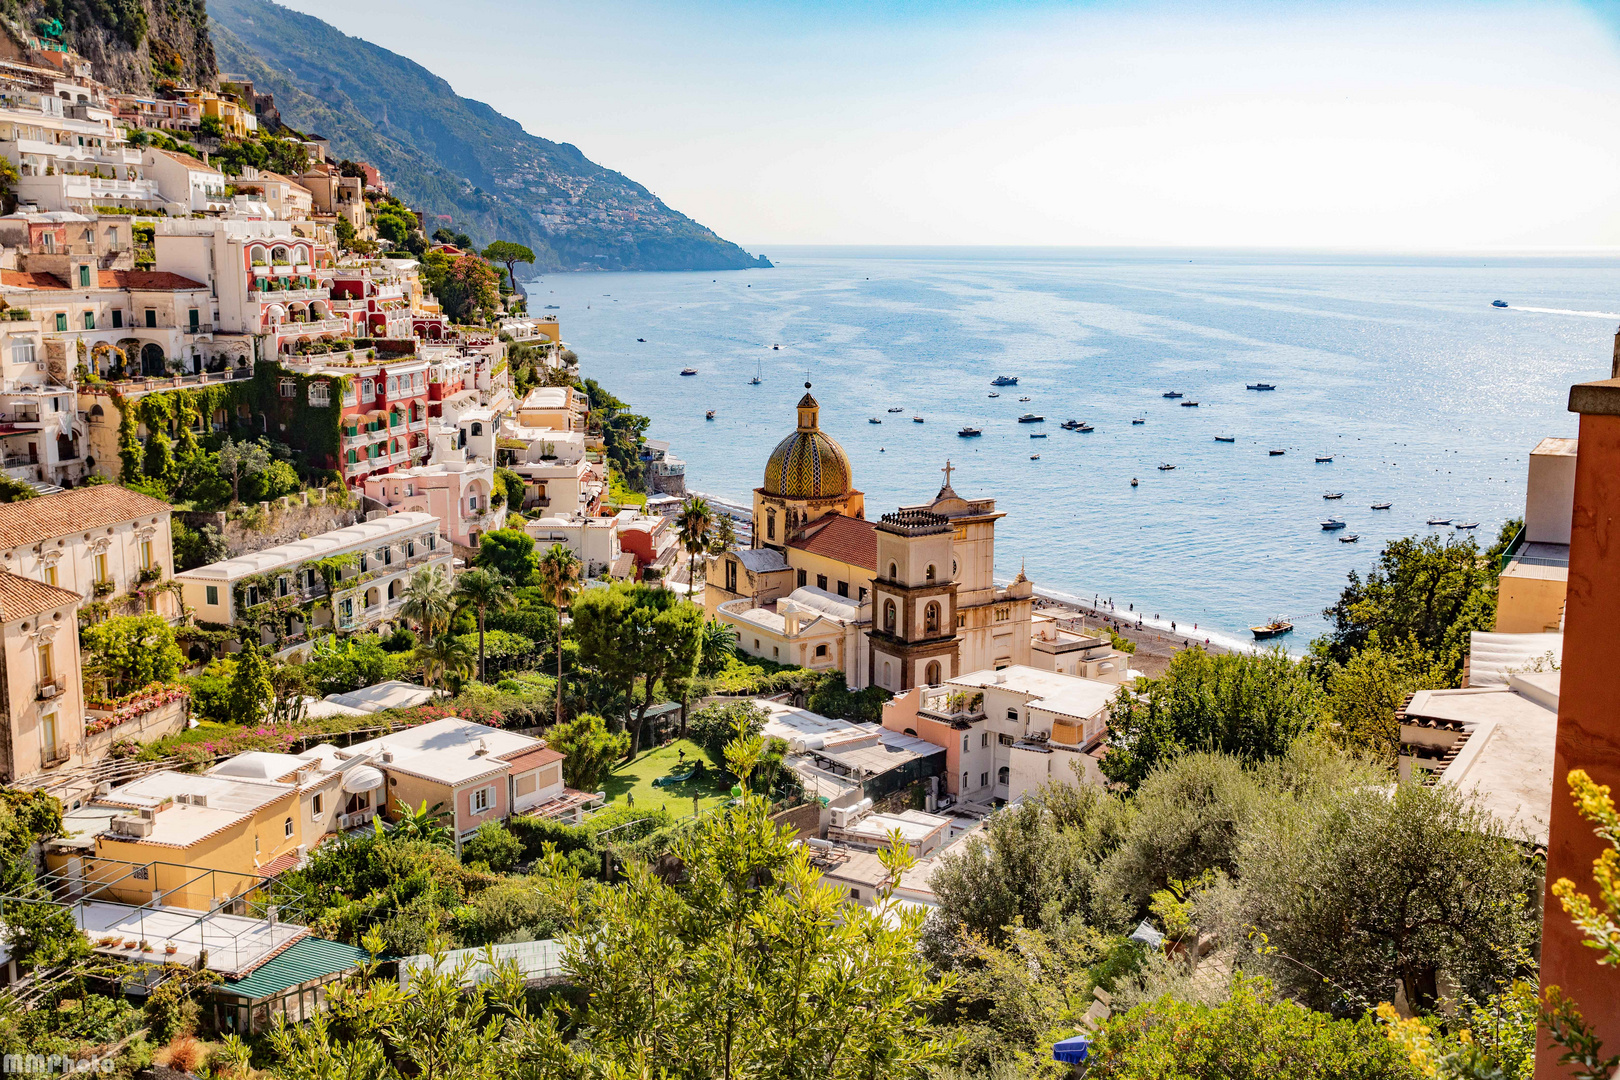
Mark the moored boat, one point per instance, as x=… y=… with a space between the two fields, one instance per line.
x=1226 y=438
x=1189 y=404
x=873 y=420
x=1323 y=458
x=1468 y=525
x=1352 y=538
x=916 y=419
x=1134 y=481
x=1004 y=380
x=969 y=432
x=688 y=371
x=1031 y=418
x=709 y=415
x=1272 y=629
x=1173 y=394
x=1332 y=494
x=1381 y=506
x=1439 y=521
x=1140 y=420
x=1276 y=453
x=1070 y=425
x=896 y=408
x=1166 y=467
x=1261 y=386
x=1332 y=525
x=1498 y=303
x=1037 y=434
x=994 y=394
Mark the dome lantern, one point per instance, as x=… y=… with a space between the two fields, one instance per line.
x=808 y=464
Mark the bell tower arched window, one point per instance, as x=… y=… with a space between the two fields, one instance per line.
x=888 y=616
x=894 y=572
x=930 y=573
x=931 y=618
x=933 y=673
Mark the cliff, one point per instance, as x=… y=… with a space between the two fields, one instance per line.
x=130 y=44
x=459 y=161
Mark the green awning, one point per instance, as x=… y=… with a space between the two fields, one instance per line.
x=303 y=961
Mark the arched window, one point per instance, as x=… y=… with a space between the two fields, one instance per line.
x=894 y=571
x=887 y=679
x=931 y=619
x=477 y=430
x=930 y=574
x=770 y=525
x=888 y=618
x=933 y=673
x=1002 y=774
x=821 y=651
x=287 y=828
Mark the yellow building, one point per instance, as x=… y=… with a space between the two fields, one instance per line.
x=904 y=601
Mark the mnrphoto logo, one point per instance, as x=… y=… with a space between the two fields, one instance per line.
x=54 y=1064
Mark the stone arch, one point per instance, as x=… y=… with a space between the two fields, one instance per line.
x=894 y=571
x=1002 y=774
x=929 y=574
x=889 y=616
x=373 y=597
x=931 y=617
x=153 y=361
x=393 y=590
x=932 y=675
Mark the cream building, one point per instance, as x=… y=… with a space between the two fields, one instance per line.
x=43 y=691
x=101 y=543
x=917 y=583
x=1535 y=572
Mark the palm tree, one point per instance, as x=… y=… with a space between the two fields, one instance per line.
x=442 y=657
x=559 y=573
x=427 y=601
x=484 y=590
x=696 y=518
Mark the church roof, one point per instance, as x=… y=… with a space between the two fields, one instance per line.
x=760 y=560
x=845 y=539
x=808 y=464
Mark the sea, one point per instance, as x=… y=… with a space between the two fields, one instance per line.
x=1397 y=366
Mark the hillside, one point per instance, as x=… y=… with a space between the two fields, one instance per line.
x=131 y=44
x=456 y=158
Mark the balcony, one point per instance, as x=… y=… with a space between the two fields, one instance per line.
x=199 y=328
x=285 y=296
x=358 y=819
x=317 y=327
x=53 y=687
x=55 y=755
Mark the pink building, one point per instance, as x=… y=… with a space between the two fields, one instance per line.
x=455 y=492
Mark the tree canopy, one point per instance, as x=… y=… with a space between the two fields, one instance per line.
x=630 y=631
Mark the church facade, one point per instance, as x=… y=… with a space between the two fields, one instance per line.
x=907 y=600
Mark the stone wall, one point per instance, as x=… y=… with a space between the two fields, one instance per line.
x=293 y=517
x=806 y=818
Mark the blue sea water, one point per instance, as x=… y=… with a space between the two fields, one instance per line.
x=1426 y=396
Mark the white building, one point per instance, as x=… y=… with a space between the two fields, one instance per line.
x=189 y=186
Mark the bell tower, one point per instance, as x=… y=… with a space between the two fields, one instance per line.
x=913 y=638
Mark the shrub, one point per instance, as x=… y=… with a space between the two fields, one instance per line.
x=713 y=726
x=493 y=846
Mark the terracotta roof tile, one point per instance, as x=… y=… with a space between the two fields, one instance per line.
x=78 y=510
x=849 y=540
x=34 y=279
x=189 y=161
x=21 y=597
x=160 y=280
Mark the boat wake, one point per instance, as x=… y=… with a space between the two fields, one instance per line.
x=1567 y=311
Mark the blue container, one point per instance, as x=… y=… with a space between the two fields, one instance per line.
x=1073 y=1051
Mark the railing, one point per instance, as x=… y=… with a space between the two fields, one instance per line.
x=287 y=296
x=54 y=755
x=13 y=461
x=1512 y=549
x=200 y=328
x=356 y=819
x=52 y=687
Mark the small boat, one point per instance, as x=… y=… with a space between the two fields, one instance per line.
x=1031 y=418
x=553 y=307
x=1134 y=481
x=1439 y=521
x=754 y=381
x=1226 y=438
x=1034 y=457
x=1069 y=425
x=916 y=419
x=1083 y=428
x=759 y=369
x=642 y=340
x=873 y=420
x=1140 y=420
x=1261 y=386
x=1498 y=303
x=1166 y=467
x=709 y=415
x=1189 y=404
x=1272 y=629
x=1037 y=434
x=776 y=346
x=1174 y=394
x=1332 y=494
x=994 y=394
x=1324 y=459
x=1468 y=525
x=896 y=408
x=1332 y=525
x=1276 y=453
x=969 y=432
x=1004 y=380
x=1352 y=538
x=1023 y=399
x=688 y=371
x=1381 y=506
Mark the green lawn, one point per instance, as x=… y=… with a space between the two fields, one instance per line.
x=634 y=779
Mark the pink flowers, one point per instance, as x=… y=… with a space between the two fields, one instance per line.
x=139 y=703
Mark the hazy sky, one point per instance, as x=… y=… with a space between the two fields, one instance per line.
x=1410 y=125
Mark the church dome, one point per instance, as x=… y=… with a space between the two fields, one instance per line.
x=808 y=464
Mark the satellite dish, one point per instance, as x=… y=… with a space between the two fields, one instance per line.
x=362 y=778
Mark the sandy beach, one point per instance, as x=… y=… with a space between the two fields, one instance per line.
x=1155 y=644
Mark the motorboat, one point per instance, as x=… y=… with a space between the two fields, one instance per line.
x=1261 y=386
x=1226 y=438
x=1468 y=525
x=1332 y=494
x=969 y=432
x=1037 y=434
x=1140 y=420
x=1166 y=467
x=1034 y=457
x=759 y=369
x=553 y=307
x=1332 y=525
x=1031 y=418
x=994 y=394
x=1498 y=303
x=1324 y=459
x=896 y=408
x=1275 y=628
x=1439 y=521
x=709 y=415
x=1023 y=399
x=642 y=340
x=1084 y=428
x=1070 y=425
x=1189 y=404
x=776 y=346
x=1352 y=538
x=1134 y=481
x=1381 y=506
x=873 y=420
x=754 y=381
x=688 y=371
x=1276 y=453
x=1004 y=380
x=1174 y=394
x=916 y=419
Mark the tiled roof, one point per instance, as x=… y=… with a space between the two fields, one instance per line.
x=189 y=161
x=147 y=279
x=279 y=865
x=849 y=540
x=303 y=961
x=31 y=279
x=22 y=597
x=79 y=510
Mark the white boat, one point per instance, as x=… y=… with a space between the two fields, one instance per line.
x=1332 y=525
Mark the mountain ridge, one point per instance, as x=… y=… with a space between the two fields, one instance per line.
x=459 y=160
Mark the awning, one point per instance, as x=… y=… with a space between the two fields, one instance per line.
x=301 y=962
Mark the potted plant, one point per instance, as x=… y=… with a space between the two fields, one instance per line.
x=170 y=948
x=146 y=946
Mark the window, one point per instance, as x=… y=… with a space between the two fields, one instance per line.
x=756 y=643
x=961 y=621
x=320 y=393
x=393 y=386
x=932 y=676
x=776 y=653
x=47 y=671
x=23 y=351
x=1004 y=740
x=821 y=582
x=255 y=845
x=141 y=873
x=287 y=828
x=146 y=554
x=821 y=651
x=365 y=562
x=984 y=779
x=101 y=567
x=283 y=585
x=213 y=595
x=731 y=576
x=862 y=596
x=477 y=430
x=804 y=579
x=1002 y=774
x=964 y=744
x=1012 y=714
x=289 y=388
x=50 y=575
x=89 y=320
x=984 y=740
x=317 y=804
x=929 y=575
x=84 y=277
x=193 y=320
x=931 y=618
x=854 y=894
x=894 y=571
x=61 y=322
x=151 y=317
x=964 y=781
x=843 y=589
x=888 y=616
x=118 y=318
x=480 y=801
x=365 y=389
x=1003 y=614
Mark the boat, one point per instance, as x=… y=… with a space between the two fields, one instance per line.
x=1261 y=386
x=1332 y=494
x=1468 y=525
x=1276 y=453
x=873 y=420
x=1083 y=428
x=1166 y=467
x=994 y=394
x=1352 y=538
x=969 y=432
x=754 y=381
x=1439 y=521
x=916 y=419
x=759 y=369
x=1174 y=394
x=1498 y=303
x=1134 y=481
x=688 y=371
x=1189 y=404
x=553 y=307
x=1332 y=525
x=1037 y=434
x=1322 y=459
x=1031 y=418
x=1004 y=380
x=1381 y=506
x=709 y=415
x=1034 y=457
x=642 y=340
x=1069 y=425
x=1140 y=420
x=776 y=346
x=896 y=408
x=1023 y=399
x=1226 y=438
x=1274 y=628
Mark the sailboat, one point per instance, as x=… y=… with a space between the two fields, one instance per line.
x=755 y=381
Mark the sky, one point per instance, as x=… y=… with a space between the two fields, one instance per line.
x=1423 y=126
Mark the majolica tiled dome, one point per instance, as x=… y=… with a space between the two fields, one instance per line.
x=808 y=464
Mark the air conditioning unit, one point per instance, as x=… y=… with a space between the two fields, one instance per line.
x=49 y=690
